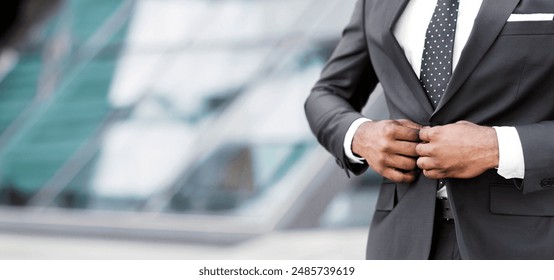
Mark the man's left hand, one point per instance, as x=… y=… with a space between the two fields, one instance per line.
x=459 y=150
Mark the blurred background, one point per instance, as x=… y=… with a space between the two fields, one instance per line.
x=172 y=129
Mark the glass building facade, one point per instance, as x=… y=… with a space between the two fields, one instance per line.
x=179 y=119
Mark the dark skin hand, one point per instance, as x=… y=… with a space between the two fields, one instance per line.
x=396 y=148
x=389 y=147
x=459 y=150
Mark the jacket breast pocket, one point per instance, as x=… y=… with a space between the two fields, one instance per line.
x=506 y=199
x=387 y=197
x=523 y=28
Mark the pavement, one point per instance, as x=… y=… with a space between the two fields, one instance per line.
x=313 y=244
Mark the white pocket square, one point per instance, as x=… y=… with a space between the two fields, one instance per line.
x=531 y=17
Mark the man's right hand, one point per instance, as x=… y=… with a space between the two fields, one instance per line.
x=389 y=147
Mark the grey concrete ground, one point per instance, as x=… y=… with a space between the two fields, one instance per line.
x=318 y=244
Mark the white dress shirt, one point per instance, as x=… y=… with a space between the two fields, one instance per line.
x=410 y=34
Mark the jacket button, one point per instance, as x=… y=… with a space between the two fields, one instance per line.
x=547 y=183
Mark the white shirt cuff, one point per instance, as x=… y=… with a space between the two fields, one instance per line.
x=511 y=163
x=348 y=141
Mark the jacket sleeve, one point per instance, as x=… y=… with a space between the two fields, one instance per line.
x=538 y=150
x=343 y=89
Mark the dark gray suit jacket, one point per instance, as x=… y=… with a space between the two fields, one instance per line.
x=505 y=76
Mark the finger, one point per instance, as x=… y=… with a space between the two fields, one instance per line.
x=425 y=134
x=464 y=122
x=410 y=124
x=434 y=174
x=424 y=149
x=400 y=162
x=426 y=163
x=406 y=134
x=399 y=176
x=404 y=148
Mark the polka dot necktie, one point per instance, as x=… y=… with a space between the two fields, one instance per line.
x=436 y=62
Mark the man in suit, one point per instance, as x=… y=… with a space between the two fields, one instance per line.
x=468 y=154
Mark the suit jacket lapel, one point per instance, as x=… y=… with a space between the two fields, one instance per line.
x=488 y=24
x=396 y=53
